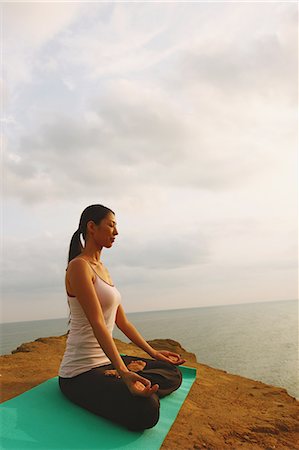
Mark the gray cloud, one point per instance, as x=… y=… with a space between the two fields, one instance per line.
x=32 y=264
x=168 y=130
x=165 y=251
x=39 y=263
x=258 y=67
x=126 y=144
x=183 y=121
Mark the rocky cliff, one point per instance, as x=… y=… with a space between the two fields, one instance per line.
x=222 y=411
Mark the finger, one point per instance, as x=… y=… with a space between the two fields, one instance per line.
x=182 y=361
x=177 y=363
x=140 y=386
x=148 y=392
x=153 y=388
x=145 y=381
x=145 y=391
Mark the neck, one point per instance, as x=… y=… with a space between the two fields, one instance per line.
x=92 y=256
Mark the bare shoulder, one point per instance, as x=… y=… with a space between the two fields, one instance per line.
x=78 y=266
x=78 y=262
x=78 y=271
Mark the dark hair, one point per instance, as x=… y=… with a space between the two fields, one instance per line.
x=96 y=213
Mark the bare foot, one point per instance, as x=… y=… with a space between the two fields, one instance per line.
x=137 y=365
x=134 y=366
x=112 y=373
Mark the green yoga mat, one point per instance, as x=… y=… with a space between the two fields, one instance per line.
x=43 y=418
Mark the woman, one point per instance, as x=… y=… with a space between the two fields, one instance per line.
x=92 y=374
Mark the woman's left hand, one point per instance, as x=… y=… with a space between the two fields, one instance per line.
x=171 y=357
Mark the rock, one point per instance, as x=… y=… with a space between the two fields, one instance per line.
x=158 y=344
x=222 y=410
x=173 y=346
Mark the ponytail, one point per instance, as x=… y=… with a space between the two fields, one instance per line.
x=75 y=246
x=74 y=250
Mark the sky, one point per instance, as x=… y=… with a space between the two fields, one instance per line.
x=182 y=119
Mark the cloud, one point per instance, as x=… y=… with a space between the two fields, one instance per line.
x=260 y=67
x=181 y=116
x=133 y=134
x=39 y=263
x=32 y=264
x=206 y=120
x=164 y=251
x=27 y=27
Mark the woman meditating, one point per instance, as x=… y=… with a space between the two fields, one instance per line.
x=92 y=373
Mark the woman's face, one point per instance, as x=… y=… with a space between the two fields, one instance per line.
x=105 y=232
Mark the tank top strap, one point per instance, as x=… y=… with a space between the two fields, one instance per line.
x=88 y=264
x=112 y=285
x=78 y=257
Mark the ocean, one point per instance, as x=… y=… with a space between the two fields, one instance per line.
x=254 y=340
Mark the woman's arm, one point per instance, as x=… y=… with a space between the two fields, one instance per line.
x=131 y=332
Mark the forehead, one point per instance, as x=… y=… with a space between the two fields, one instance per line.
x=110 y=218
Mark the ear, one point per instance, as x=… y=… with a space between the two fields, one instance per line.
x=90 y=226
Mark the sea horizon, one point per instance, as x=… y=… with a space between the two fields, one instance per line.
x=172 y=309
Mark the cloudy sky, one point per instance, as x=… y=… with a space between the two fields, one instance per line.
x=181 y=118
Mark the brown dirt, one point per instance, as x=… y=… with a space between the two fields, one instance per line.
x=221 y=411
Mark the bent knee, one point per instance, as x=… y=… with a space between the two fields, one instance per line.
x=175 y=377
x=180 y=377
x=146 y=414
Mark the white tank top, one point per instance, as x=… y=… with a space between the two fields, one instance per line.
x=83 y=351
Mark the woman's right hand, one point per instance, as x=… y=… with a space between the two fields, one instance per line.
x=138 y=385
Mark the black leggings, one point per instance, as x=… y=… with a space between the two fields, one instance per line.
x=109 y=396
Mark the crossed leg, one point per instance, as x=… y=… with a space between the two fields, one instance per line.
x=167 y=375
x=108 y=396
